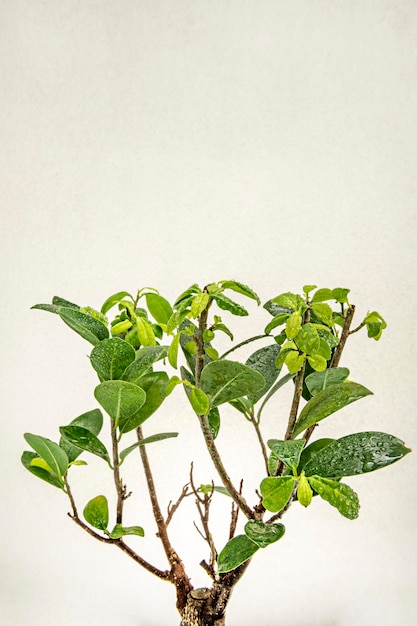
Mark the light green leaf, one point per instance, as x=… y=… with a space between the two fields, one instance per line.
x=211 y=353
x=28 y=458
x=229 y=305
x=92 y=421
x=38 y=462
x=263 y=361
x=144 y=360
x=121 y=327
x=240 y=288
x=356 y=454
x=276 y=492
x=111 y=357
x=317 y=362
x=304 y=492
x=264 y=534
x=114 y=299
x=327 y=402
x=173 y=350
x=308 y=339
x=121 y=400
x=85 y=440
x=145 y=441
x=145 y=332
x=293 y=325
x=199 y=303
x=235 y=552
x=340 y=295
x=324 y=313
x=337 y=494
x=294 y=361
x=155 y=386
x=276 y=321
x=224 y=381
x=308 y=288
x=50 y=452
x=288 y=452
x=320 y=380
x=96 y=512
x=322 y=295
x=187 y=293
x=121 y=531
x=199 y=401
x=158 y=307
x=288 y=301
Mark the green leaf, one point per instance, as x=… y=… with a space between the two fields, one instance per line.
x=85 y=325
x=264 y=534
x=223 y=329
x=50 y=452
x=275 y=309
x=304 y=493
x=311 y=450
x=317 y=362
x=158 y=307
x=375 y=324
x=114 y=299
x=276 y=321
x=308 y=339
x=229 y=305
x=155 y=386
x=145 y=332
x=199 y=303
x=294 y=361
x=263 y=361
x=66 y=303
x=327 y=402
x=214 y=421
x=288 y=452
x=308 y=288
x=340 y=295
x=276 y=492
x=111 y=357
x=356 y=454
x=144 y=360
x=288 y=301
x=121 y=400
x=240 y=288
x=293 y=325
x=96 y=512
x=173 y=350
x=224 y=381
x=28 y=458
x=199 y=401
x=322 y=295
x=92 y=421
x=121 y=531
x=337 y=494
x=145 y=441
x=208 y=489
x=122 y=327
x=323 y=312
x=235 y=552
x=85 y=440
x=187 y=293
x=320 y=380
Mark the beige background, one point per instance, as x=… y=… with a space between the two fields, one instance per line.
x=161 y=143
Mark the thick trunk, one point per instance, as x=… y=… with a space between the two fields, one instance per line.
x=202 y=609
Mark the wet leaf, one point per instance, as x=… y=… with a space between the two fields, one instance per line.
x=337 y=494
x=317 y=362
x=288 y=452
x=85 y=440
x=240 y=288
x=327 y=402
x=214 y=421
x=27 y=459
x=111 y=357
x=276 y=491
x=293 y=325
x=308 y=339
x=304 y=492
x=155 y=386
x=199 y=401
x=96 y=512
x=229 y=305
x=92 y=421
x=311 y=450
x=143 y=363
x=320 y=380
x=50 y=452
x=264 y=534
x=145 y=332
x=121 y=400
x=235 y=552
x=356 y=454
x=199 y=303
x=263 y=361
x=86 y=326
x=114 y=299
x=173 y=350
x=322 y=295
x=224 y=381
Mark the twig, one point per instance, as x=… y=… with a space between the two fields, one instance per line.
x=172 y=508
x=261 y=441
x=120 y=489
x=203 y=508
x=234 y=515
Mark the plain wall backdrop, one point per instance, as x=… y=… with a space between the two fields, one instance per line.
x=161 y=143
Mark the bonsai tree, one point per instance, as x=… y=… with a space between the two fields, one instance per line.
x=136 y=357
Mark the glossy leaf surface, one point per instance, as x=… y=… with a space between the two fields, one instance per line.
x=304 y=492
x=227 y=304
x=327 y=402
x=240 y=288
x=114 y=299
x=111 y=357
x=96 y=512
x=287 y=451
x=85 y=440
x=50 y=452
x=145 y=441
x=263 y=361
x=121 y=400
x=320 y=380
x=337 y=494
x=92 y=421
x=356 y=454
x=143 y=363
x=158 y=307
x=27 y=459
x=85 y=325
x=311 y=450
x=235 y=552
x=276 y=491
x=224 y=381
x=264 y=534
x=155 y=386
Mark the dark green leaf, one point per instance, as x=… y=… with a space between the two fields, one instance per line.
x=224 y=381
x=92 y=421
x=85 y=325
x=240 y=288
x=121 y=531
x=263 y=361
x=51 y=478
x=158 y=307
x=276 y=491
x=86 y=440
x=155 y=386
x=121 y=400
x=187 y=293
x=144 y=360
x=114 y=299
x=356 y=454
x=264 y=534
x=327 y=402
x=145 y=441
x=320 y=380
x=337 y=494
x=111 y=357
x=229 y=305
x=214 y=421
x=311 y=450
x=96 y=512
x=50 y=452
x=235 y=552
x=288 y=452
x=275 y=309
x=66 y=303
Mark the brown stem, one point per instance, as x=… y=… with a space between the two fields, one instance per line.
x=261 y=441
x=203 y=508
x=172 y=508
x=234 y=515
x=116 y=473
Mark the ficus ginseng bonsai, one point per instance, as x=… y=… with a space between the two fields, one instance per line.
x=135 y=357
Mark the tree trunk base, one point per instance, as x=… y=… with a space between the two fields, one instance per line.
x=198 y=610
